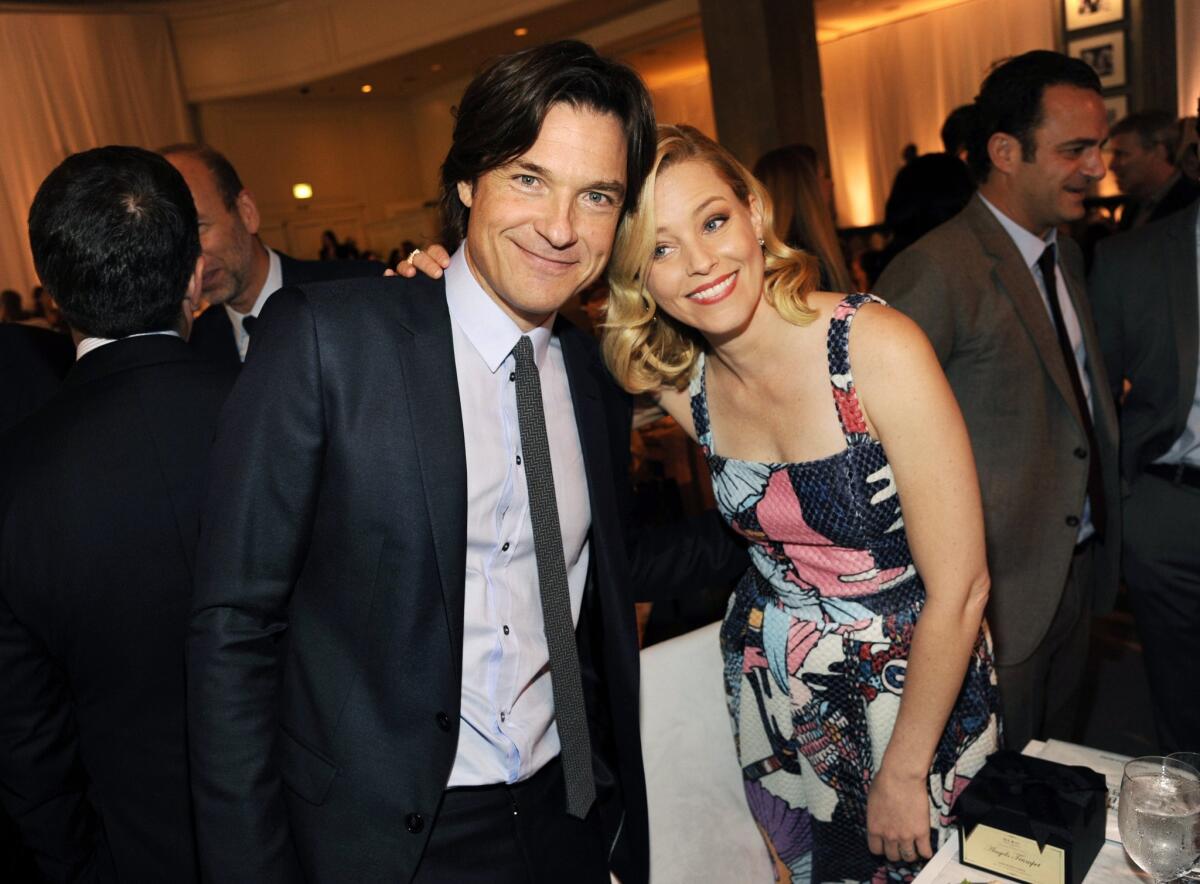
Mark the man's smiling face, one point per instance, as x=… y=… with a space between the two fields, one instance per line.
x=541 y=227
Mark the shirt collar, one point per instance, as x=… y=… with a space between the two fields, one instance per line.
x=272 y=284
x=1030 y=245
x=87 y=345
x=490 y=330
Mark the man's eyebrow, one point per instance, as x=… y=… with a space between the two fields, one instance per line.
x=615 y=188
x=1081 y=142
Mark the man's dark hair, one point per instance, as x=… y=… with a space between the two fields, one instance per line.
x=229 y=185
x=115 y=240
x=1152 y=127
x=503 y=108
x=957 y=128
x=1010 y=101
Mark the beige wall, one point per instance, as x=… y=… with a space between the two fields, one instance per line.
x=369 y=163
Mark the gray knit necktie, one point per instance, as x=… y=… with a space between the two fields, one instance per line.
x=569 y=710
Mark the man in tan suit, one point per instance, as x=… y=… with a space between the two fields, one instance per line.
x=1002 y=298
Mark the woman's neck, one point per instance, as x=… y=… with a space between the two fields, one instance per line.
x=755 y=350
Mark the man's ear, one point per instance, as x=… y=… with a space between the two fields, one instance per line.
x=466 y=192
x=247 y=210
x=1004 y=151
x=195 y=285
x=191 y=299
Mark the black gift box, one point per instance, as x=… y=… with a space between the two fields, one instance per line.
x=1037 y=809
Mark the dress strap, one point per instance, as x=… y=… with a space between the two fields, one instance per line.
x=845 y=396
x=698 y=392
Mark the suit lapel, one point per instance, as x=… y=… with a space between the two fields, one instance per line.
x=1104 y=412
x=1184 y=296
x=1015 y=279
x=582 y=364
x=435 y=414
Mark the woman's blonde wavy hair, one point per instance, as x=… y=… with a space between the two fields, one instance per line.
x=646 y=349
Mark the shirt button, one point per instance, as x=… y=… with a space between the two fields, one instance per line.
x=512 y=375
x=506 y=629
x=1073 y=521
x=1081 y=453
x=502 y=716
x=504 y=548
x=518 y=460
x=414 y=822
x=443 y=721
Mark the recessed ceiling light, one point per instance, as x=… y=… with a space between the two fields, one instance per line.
x=366 y=87
x=520 y=32
x=302 y=190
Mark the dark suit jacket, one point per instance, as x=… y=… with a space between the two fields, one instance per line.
x=337 y=513
x=212 y=332
x=966 y=284
x=99 y=516
x=1182 y=194
x=1144 y=293
x=33 y=362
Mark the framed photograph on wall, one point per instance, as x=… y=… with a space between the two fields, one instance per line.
x=1116 y=107
x=1089 y=13
x=1105 y=53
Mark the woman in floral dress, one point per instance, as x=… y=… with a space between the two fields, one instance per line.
x=858 y=670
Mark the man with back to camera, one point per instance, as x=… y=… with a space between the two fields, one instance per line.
x=459 y=697
x=240 y=272
x=1144 y=146
x=99 y=516
x=1145 y=289
x=1001 y=296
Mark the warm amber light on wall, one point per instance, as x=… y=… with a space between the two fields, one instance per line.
x=302 y=191
x=366 y=87
x=520 y=32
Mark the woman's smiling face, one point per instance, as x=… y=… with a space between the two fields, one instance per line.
x=707 y=268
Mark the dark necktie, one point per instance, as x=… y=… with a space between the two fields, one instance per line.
x=248 y=324
x=1095 y=484
x=569 y=710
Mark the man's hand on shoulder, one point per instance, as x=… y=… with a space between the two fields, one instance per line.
x=430 y=261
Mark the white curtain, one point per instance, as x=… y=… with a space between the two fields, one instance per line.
x=68 y=83
x=895 y=84
x=1187 y=36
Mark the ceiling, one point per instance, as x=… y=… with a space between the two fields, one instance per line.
x=658 y=54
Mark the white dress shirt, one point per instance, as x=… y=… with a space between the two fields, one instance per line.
x=272 y=284
x=1186 y=449
x=508 y=732
x=87 y=345
x=1031 y=246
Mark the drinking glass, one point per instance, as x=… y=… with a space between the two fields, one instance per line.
x=1159 y=816
x=1192 y=758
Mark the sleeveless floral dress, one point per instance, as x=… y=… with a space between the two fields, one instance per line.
x=816 y=640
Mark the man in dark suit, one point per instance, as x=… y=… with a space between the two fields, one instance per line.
x=1002 y=299
x=1144 y=146
x=1145 y=294
x=33 y=362
x=240 y=272
x=99 y=515
x=459 y=689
